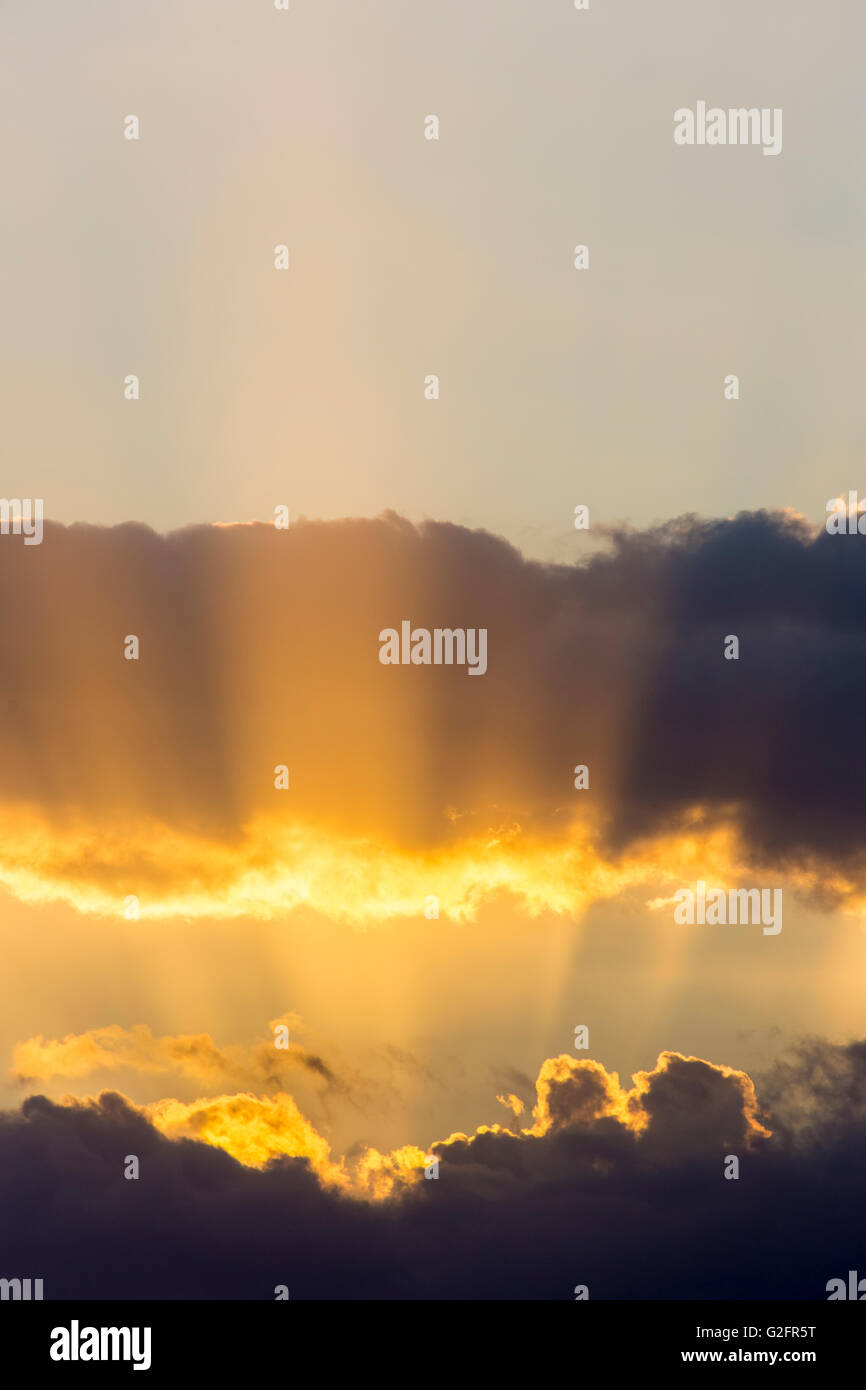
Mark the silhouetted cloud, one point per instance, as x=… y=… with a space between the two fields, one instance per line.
x=260 y=647
x=620 y=1190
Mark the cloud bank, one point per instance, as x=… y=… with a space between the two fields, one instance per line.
x=260 y=648
x=620 y=1190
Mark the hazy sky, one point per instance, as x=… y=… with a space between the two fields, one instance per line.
x=411 y=257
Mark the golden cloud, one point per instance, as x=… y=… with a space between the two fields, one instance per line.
x=276 y=867
x=195 y=1056
x=254 y=1129
x=157 y=779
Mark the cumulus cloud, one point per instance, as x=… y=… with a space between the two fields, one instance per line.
x=260 y=648
x=622 y=1190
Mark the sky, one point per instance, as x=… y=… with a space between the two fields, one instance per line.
x=252 y=830
x=411 y=257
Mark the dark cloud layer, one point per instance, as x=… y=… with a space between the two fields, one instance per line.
x=631 y=1214
x=261 y=647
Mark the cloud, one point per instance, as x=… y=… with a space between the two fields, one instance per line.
x=260 y=648
x=192 y=1055
x=622 y=1190
x=512 y=1103
x=817 y=1089
x=255 y=1129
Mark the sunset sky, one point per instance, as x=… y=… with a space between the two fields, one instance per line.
x=416 y=1033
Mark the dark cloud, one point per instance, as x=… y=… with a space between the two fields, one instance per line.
x=298 y=614
x=817 y=1089
x=631 y=1212
x=768 y=738
x=260 y=647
